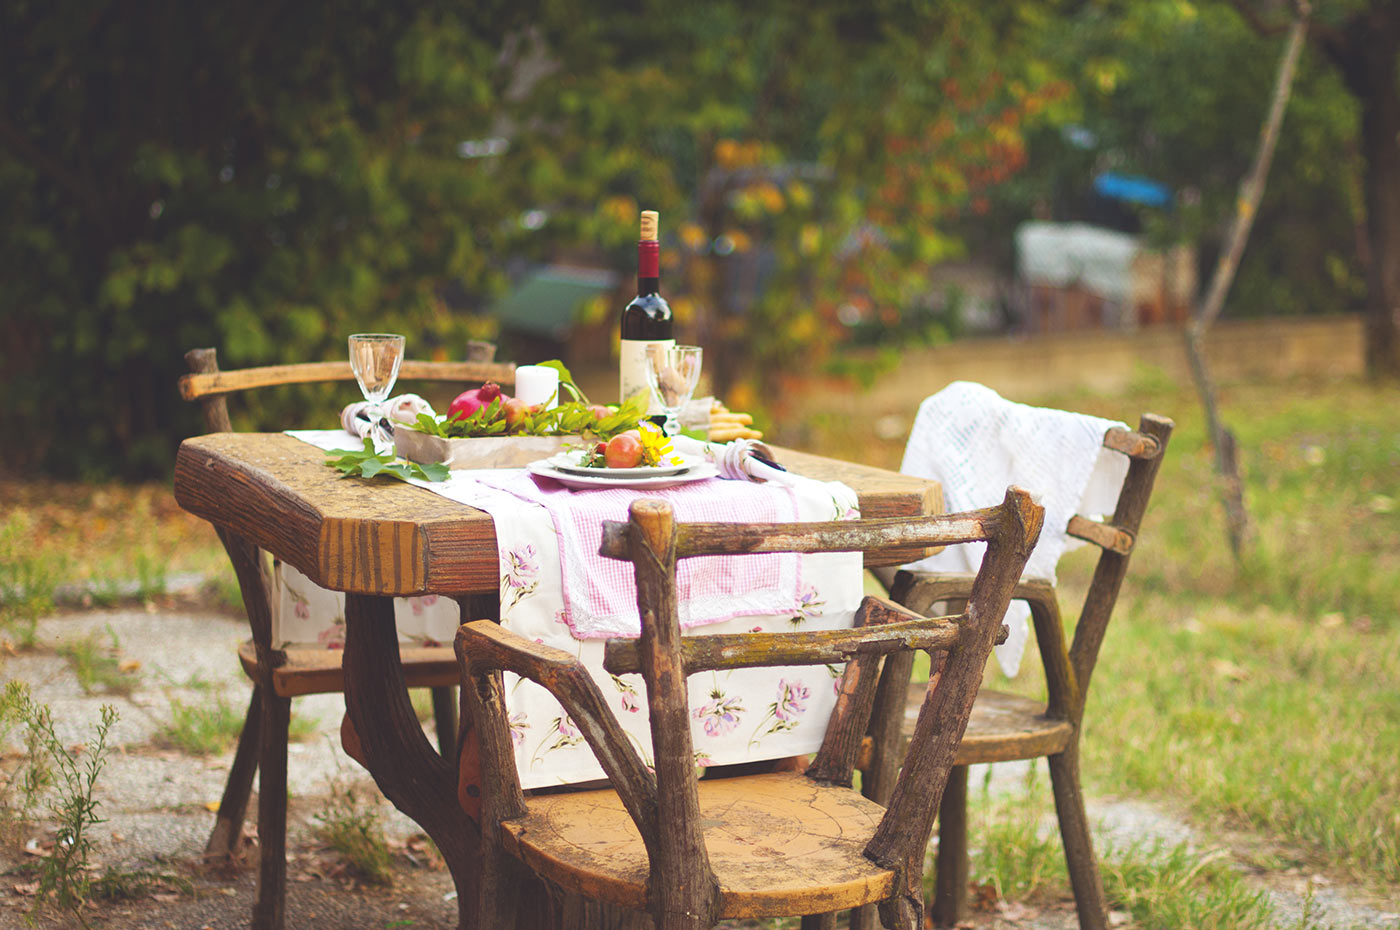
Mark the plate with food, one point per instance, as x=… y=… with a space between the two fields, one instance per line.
x=620 y=478
x=585 y=462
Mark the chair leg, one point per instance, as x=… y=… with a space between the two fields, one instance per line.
x=819 y=922
x=950 y=882
x=269 y=911
x=226 y=839
x=445 y=720
x=1084 y=874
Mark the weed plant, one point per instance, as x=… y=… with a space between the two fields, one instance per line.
x=203 y=728
x=64 y=878
x=352 y=825
x=99 y=666
x=211 y=726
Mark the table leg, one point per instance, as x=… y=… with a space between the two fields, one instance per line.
x=418 y=781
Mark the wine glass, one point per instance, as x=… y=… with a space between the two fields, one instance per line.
x=375 y=359
x=672 y=372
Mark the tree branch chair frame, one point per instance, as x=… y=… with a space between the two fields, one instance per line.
x=1005 y=727
x=675 y=875
x=278 y=675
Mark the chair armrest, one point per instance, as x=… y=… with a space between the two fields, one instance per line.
x=484 y=647
x=920 y=590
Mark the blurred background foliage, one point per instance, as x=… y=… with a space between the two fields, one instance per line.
x=267 y=178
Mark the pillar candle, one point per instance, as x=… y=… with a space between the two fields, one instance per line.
x=536 y=384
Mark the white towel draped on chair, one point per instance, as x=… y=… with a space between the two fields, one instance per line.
x=976 y=443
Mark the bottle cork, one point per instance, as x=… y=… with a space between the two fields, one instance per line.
x=649 y=225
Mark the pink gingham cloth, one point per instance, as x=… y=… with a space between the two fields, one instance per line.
x=600 y=594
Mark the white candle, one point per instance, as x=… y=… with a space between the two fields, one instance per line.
x=536 y=384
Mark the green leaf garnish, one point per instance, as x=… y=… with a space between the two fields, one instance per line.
x=366 y=463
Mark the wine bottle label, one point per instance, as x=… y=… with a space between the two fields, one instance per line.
x=633 y=367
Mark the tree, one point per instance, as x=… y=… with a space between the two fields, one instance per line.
x=267 y=178
x=1362 y=41
x=256 y=176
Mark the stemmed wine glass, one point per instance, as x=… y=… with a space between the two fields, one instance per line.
x=375 y=359
x=673 y=371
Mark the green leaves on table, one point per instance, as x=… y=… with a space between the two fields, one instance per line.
x=366 y=463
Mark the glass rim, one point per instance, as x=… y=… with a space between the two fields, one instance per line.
x=384 y=336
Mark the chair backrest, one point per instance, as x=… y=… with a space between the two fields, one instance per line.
x=210 y=386
x=1069 y=667
x=664 y=802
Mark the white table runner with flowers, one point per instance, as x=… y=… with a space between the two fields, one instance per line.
x=556 y=590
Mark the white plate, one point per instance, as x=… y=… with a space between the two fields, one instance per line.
x=599 y=477
x=569 y=462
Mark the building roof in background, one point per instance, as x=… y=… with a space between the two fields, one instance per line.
x=545 y=302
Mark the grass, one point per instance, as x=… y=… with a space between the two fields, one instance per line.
x=115 y=541
x=352 y=825
x=99 y=666
x=1017 y=856
x=212 y=725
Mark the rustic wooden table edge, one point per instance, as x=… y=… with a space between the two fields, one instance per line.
x=395 y=539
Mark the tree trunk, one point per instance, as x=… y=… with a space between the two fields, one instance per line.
x=1380 y=143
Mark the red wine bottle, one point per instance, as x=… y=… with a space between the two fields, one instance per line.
x=646 y=320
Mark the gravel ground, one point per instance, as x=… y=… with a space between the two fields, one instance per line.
x=156 y=804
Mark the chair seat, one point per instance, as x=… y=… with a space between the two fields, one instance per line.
x=778 y=843
x=1003 y=727
x=317 y=671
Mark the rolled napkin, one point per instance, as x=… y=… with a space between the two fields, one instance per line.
x=363 y=418
x=751 y=460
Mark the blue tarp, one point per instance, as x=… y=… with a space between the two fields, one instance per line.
x=1133 y=189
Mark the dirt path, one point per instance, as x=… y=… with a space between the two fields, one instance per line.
x=155 y=804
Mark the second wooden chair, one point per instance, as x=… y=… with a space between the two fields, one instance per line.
x=690 y=852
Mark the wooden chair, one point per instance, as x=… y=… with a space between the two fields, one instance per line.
x=1005 y=726
x=279 y=674
x=689 y=852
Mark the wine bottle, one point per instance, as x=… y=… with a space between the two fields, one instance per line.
x=646 y=320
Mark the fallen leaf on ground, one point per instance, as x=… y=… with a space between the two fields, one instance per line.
x=27 y=888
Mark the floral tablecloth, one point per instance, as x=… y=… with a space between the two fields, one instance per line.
x=737 y=716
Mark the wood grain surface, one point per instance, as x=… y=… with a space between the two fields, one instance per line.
x=586 y=842
x=390 y=538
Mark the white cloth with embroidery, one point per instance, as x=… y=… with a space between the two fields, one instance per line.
x=737 y=716
x=976 y=443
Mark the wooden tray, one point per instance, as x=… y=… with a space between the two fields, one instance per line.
x=482 y=452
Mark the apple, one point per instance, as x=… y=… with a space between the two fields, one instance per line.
x=515 y=411
x=599 y=411
x=624 y=451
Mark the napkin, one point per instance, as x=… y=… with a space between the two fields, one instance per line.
x=751 y=460
x=975 y=443
x=359 y=419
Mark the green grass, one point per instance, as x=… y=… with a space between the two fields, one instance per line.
x=352 y=825
x=1016 y=856
x=212 y=725
x=27 y=580
x=98 y=666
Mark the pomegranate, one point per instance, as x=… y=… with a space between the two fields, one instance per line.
x=469 y=402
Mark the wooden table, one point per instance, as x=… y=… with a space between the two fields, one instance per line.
x=384 y=539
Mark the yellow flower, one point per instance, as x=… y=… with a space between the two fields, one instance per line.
x=655 y=446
